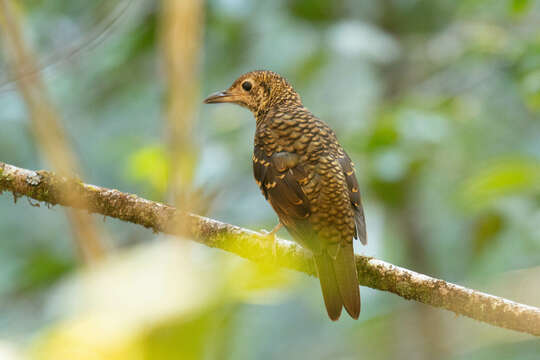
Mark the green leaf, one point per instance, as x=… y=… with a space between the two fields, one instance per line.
x=520 y=6
x=511 y=176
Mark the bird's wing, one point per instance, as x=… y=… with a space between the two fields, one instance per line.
x=279 y=177
x=354 y=196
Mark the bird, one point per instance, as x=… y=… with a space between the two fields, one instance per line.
x=308 y=179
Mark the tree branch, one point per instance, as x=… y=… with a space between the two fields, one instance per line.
x=54 y=190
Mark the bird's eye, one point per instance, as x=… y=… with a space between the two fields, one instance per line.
x=246 y=85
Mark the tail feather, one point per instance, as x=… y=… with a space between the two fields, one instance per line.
x=347 y=280
x=339 y=282
x=329 y=286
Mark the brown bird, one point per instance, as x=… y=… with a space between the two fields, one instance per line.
x=309 y=180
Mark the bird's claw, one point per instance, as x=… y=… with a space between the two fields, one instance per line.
x=271 y=235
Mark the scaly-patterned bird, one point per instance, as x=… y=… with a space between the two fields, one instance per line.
x=308 y=179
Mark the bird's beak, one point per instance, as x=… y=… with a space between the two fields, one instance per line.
x=219 y=97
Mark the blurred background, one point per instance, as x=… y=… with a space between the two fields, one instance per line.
x=436 y=102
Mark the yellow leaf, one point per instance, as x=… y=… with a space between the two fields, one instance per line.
x=150 y=165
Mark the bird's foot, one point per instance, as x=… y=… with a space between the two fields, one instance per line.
x=271 y=235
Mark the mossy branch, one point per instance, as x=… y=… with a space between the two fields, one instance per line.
x=52 y=189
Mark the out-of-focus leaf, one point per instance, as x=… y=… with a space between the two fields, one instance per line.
x=533 y=101
x=317 y=11
x=505 y=177
x=531 y=90
x=392 y=194
x=188 y=339
x=384 y=134
x=311 y=65
x=41 y=268
x=520 y=6
x=132 y=305
x=429 y=16
x=150 y=165
x=488 y=38
x=485 y=229
x=87 y=338
x=258 y=283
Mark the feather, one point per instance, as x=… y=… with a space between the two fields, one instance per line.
x=354 y=196
x=329 y=286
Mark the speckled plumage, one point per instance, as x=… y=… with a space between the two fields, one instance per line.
x=309 y=180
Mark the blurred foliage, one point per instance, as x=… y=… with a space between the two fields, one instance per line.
x=504 y=178
x=485 y=229
x=149 y=165
x=437 y=103
x=41 y=268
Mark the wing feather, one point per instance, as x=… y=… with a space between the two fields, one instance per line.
x=354 y=195
x=279 y=177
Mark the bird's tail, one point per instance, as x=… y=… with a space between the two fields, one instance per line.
x=339 y=282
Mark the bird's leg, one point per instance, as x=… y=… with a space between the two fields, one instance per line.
x=272 y=236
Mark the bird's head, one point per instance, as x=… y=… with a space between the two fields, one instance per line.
x=258 y=91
